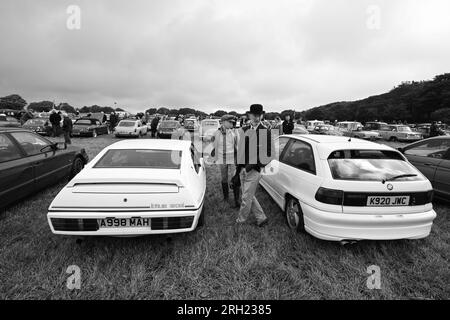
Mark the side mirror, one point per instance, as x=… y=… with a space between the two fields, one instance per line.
x=402 y=150
x=60 y=146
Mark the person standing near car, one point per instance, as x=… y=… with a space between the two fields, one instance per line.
x=67 y=129
x=154 y=126
x=225 y=154
x=288 y=125
x=255 y=150
x=55 y=120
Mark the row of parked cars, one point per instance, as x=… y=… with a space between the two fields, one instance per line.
x=173 y=128
x=332 y=187
x=371 y=130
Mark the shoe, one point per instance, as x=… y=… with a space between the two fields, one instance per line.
x=262 y=224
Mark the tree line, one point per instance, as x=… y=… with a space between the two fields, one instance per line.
x=412 y=101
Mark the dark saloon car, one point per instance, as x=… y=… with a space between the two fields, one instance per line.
x=8 y=122
x=89 y=127
x=169 y=129
x=29 y=163
x=432 y=158
x=326 y=129
x=38 y=125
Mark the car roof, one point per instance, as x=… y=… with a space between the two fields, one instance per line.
x=6 y=129
x=328 y=144
x=156 y=144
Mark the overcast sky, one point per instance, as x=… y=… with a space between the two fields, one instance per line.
x=219 y=54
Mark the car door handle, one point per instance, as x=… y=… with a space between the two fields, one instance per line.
x=37 y=163
x=429 y=164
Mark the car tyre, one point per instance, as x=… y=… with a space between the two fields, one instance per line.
x=294 y=215
x=393 y=139
x=77 y=166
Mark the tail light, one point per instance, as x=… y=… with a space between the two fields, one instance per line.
x=330 y=196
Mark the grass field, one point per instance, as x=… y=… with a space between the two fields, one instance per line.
x=219 y=261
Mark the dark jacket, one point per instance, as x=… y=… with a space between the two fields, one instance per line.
x=255 y=148
x=67 y=124
x=55 y=119
x=154 y=124
x=288 y=127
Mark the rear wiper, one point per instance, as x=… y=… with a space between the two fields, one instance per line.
x=399 y=177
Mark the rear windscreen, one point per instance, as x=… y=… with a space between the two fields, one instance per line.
x=126 y=124
x=151 y=159
x=370 y=165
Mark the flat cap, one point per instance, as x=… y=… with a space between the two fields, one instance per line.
x=228 y=117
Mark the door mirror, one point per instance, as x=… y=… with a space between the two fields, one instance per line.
x=60 y=146
x=402 y=150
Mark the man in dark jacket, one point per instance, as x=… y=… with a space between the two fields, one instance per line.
x=55 y=119
x=288 y=125
x=255 y=151
x=154 y=126
x=67 y=129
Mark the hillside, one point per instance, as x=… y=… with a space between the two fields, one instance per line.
x=411 y=101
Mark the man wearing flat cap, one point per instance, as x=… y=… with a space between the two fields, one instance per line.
x=225 y=153
x=255 y=150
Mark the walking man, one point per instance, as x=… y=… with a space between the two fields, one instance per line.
x=255 y=150
x=67 y=129
x=55 y=119
x=225 y=154
x=288 y=125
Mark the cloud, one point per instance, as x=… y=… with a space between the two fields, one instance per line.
x=213 y=54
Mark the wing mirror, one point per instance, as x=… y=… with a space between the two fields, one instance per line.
x=402 y=150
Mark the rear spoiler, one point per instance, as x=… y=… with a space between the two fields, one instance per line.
x=104 y=181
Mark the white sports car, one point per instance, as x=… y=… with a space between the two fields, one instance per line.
x=340 y=189
x=134 y=188
x=130 y=128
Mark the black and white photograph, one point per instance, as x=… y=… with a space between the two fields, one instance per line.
x=222 y=155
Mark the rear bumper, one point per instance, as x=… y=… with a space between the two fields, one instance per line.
x=130 y=134
x=341 y=226
x=82 y=134
x=159 y=222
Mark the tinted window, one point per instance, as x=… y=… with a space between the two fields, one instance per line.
x=145 y=158
x=370 y=165
x=299 y=155
x=31 y=143
x=8 y=151
x=434 y=148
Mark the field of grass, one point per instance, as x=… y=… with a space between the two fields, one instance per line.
x=218 y=261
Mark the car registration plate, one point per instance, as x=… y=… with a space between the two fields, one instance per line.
x=389 y=201
x=124 y=223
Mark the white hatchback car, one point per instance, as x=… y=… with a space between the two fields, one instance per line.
x=339 y=189
x=130 y=128
x=134 y=188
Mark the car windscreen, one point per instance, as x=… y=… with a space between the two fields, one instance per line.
x=83 y=122
x=404 y=129
x=140 y=158
x=35 y=122
x=371 y=165
x=126 y=124
x=169 y=124
x=210 y=124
